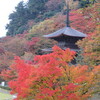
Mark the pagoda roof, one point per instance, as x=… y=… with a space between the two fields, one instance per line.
x=68 y=31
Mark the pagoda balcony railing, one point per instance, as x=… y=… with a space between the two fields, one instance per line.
x=67 y=45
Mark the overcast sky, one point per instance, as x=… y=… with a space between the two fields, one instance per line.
x=6 y=7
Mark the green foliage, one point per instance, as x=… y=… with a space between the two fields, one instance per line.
x=5 y=96
x=36 y=6
x=21 y=29
x=86 y=3
x=36 y=10
x=17 y=19
x=5 y=87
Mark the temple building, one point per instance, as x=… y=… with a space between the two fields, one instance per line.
x=66 y=37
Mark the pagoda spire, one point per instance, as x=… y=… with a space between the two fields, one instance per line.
x=67 y=16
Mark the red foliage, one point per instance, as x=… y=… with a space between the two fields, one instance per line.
x=30 y=45
x=2 y=51
x=51 y=78
x=85 y=20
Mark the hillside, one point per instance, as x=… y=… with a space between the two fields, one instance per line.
x=31 y=42
x=27 y=14
x=32 y=73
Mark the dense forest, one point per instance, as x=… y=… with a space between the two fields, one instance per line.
x=36 y=11
x=34 y=74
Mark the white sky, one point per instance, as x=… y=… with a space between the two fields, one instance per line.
x=6 y=7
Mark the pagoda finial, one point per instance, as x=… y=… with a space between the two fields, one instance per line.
x=67 y=16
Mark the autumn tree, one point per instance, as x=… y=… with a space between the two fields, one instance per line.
x=90 y=45
x=10 y=47
x=91 y=48
x=50 y=77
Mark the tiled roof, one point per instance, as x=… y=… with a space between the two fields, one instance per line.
x=66 y=31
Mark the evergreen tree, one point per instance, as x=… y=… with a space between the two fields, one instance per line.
x=36 y=10
x=37 y=6
x=17 y=19
x=85 y=3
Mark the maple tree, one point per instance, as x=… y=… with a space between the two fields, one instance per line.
x=30 y=45
x=10 y=47
x=50 y=77
x=90 y=45
x=84 y=20
x=91 y=48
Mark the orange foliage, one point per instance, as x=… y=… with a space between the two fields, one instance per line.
x=50 y=77
x=91 y=44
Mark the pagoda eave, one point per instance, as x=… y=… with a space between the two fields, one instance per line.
x=68 y=31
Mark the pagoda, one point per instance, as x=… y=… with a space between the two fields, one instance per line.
x=66 y=37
